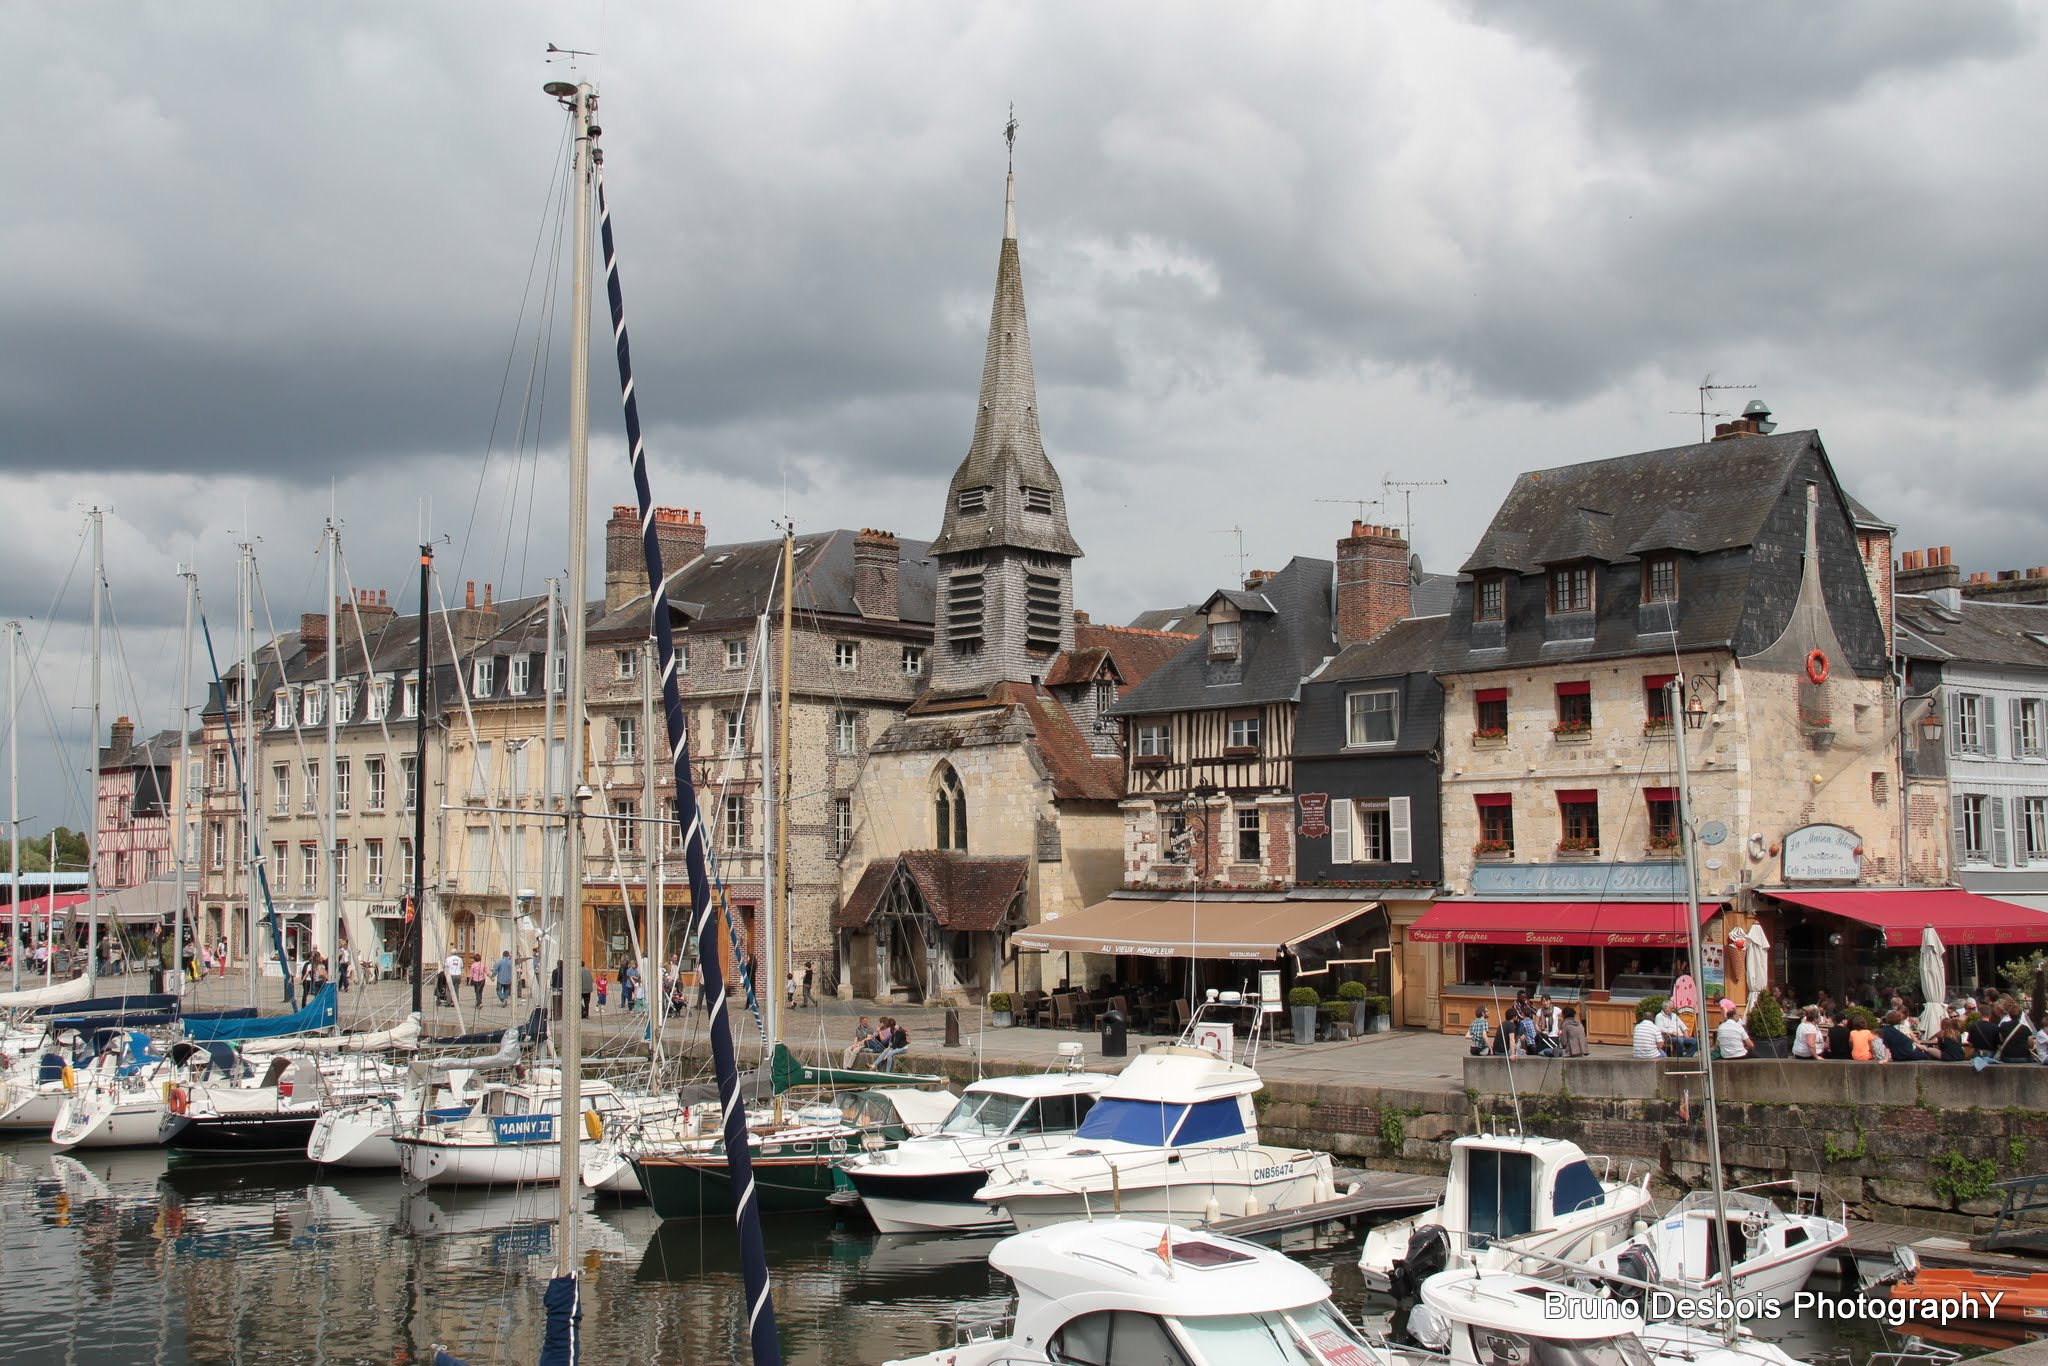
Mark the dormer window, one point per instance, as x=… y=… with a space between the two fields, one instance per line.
x=1037 y=500
x=1224 y=639
x=1660 y=579
x=1571 y=589
x=974 y=500
x=1489 y=599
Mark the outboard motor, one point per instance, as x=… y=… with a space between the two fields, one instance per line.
x=1638 y=1263
x=1429 y=1251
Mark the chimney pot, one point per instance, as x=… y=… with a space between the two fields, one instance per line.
x=621 y=513
x=487 y=595
x=469 y=595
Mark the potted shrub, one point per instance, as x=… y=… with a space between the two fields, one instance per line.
x=999 y=1007
x=1767 y=1028
x=1354 y=993
x=1302 y=1003
x=1381 y=1009
x=1337 y=1017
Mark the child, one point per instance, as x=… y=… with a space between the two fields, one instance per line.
x=601 y=984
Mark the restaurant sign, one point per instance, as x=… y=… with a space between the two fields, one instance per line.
x=1823 y=853
x=1314 y=821
x=1579 y=879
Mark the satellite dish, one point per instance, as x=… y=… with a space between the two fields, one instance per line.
x=1713 y=832
x=1760 y=412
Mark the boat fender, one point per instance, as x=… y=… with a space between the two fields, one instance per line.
x=70 y=1080
x=593 y=1125
x=1354 y=1187
x=1599 y=1242
x=1639 y=1228
x=1213 y=1211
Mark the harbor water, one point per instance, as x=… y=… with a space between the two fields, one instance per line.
x=136 y=1257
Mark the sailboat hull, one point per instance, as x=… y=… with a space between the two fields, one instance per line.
x=27 y=1111
x=479 y=1164
x=96 y=1120
x=700 y=1187
x=239 y=1135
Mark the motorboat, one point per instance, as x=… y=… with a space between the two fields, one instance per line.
x=1174 y=1136
x=1510 y=1194
x=508 y=1138
x=1774 y=1252
x=119 y=1101
x=932 y=1183
x=364 y=1134
x=794 y=1161
x=232 y=1109
x=1143 y=1290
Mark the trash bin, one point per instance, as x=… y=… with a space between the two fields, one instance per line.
x=1115 y=1035
x=952 y=1027
x=156 y=981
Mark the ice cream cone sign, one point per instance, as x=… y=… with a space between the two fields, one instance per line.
x=1685 y=993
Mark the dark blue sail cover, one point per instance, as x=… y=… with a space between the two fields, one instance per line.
x=562 y=1343
x=317 y=1013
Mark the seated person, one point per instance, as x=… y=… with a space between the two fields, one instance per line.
x=1476 y=1032
x=863 y=1040
x=1571 y=1035
x=1731 y=1036
x=1647 y=1041
x=1679 y=1041
x=897 y=1042
x=1809 y=1040
x=1899 y=1043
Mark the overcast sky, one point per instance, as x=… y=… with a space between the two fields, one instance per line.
x=259 y=260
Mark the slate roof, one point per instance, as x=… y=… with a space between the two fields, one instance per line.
x=1407 y=647
x=967 y=892
x=1169 y=619
x=1987 y=633
x=1278 y=649
x=1699 y=498
x=1432 y=594
x=1006 y=454
x=732 y=582
x=157 y=751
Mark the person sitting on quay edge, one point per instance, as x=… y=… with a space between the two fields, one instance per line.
x=1476 y=1032
x=1898 y=1042
x=1571 y=1034
x=1647 y=1041
x=1948 y=1043
x=1808 y=1041
x=1679 y=1043
x=1531 y=1042
x=1864 y=1044
x=1731 y=1036
x=863 y=1034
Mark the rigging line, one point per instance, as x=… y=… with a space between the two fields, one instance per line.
x=30 y=660
x=121 y=653
x=71 y=782
x=491 y=845
x=533 y=404
x=277 y=654
x=518 y=325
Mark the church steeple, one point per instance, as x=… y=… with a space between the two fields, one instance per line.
x=1004 y=551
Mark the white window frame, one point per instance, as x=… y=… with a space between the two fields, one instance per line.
x=341 y=864
x=1154 y=740
x=1244 y=732
x=1226 y=639
x=344 y=703
x=842 y=824
x=1348 y=825
x=312 y=784
x=282 y=710
x=2032 y=823
x=518 y=675
x=408 y=779
x=1966 y=724
x=735 y=728
x=409 y=697
x=628 y=662
x=281 y=788
x=309 y=867
x=378 y=700
x=732 y=822
x=483 y=676
x=342 y=786
x=736 y=653
x=373 y=865
x=846 y=655
x=408 y=865
x=1355 y=716
x=1972 y=812
x=682 y=656
x=626 y=730
x=845 y=731
x=374 y=775
x=216 y=845
x=1248 y=820
x=2026 y=728
x=913 y=661
x=626 y=826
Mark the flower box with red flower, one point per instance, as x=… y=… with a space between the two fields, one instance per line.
x=1575 y=845
x=1573 y=730
x=1493 y=849
x=1657 y=725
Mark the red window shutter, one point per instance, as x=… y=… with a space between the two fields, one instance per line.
x=1572 y=796
x=1574 y=689
x=1656 y=681
x=1660 y=794
x=1493 y=799
x=1490 y=695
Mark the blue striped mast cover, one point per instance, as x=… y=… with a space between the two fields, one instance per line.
x=761 y=1331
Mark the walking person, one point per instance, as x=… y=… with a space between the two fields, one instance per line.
x=589 y=984
x=789 y=987
x=220 y=954
x=808 y=969
x=629 y=985
x=343 y=961
x=477 y=973
x=451 y=977
x=501 y=971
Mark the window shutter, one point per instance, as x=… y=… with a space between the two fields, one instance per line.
x=1955 y=723
x=1962 y=829
x=1400 y=840
x=1988 y=723
x=2019 y=739
x=1340 y=830
x=2001 y=846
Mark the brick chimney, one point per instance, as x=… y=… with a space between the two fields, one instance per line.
x=1926 y=571
x=1373 y=588
x=313 y=634
x=876 y=558
x=473 y=623
x=1739 y=427
x=2029 y=585
x=679 y=533
x=121 y=735
x=373 y=605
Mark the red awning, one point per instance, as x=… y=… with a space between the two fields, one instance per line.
x=1620 y=924
x=1959 y=917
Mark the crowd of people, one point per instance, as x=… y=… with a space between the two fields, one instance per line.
x=1536 y=1029
x=1994 y=1029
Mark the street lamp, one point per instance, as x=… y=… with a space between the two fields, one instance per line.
x=1930 y=728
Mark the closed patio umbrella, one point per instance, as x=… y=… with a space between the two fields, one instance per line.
x=1933 y=982
x=1756 y=962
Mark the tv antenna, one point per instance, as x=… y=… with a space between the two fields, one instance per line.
x=1238 y=532
x=1707 y=386
x=572 y=53
x=1360 y=503
x=1388 y=483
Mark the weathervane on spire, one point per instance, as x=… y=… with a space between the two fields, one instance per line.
x=1010 y=135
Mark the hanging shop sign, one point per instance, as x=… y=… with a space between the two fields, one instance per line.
x=1314 y=820
x=1823 y=853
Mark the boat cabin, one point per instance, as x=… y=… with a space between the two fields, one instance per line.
x=1053 y=1104
x=1505 y=1319
x=1504 y=1187
x=1171 y=1096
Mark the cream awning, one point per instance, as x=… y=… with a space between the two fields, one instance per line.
x=1182 y=927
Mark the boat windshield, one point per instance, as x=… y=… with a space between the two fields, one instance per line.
x=982 y=1114
x=1159 y=1123
x=1312 y=1336
x=1497 y=1347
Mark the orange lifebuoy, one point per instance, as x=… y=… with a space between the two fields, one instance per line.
x=1817 y=666
x=178 y=1100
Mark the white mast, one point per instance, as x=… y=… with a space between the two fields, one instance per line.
x=582 y=101
x=331 y=832
x=771 y=950
x=1691 y=910
x=252 y=845
x=180 y=784
x=92 y=853
x=548 y=871
x=14 y=792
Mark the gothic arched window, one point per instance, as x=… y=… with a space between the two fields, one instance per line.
x=949 y=810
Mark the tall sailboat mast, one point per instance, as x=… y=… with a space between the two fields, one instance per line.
x=252 y=840
x=1691 y=911
x=550 y=870
x=780 y=912
x=181 y=784
x=330 y=834
x=92 y=853
x=14 y=795
x=768 y=982
x=416 y=927
x=582 y=99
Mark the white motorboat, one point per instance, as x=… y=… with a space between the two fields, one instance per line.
x=932 y=1183
x=508 y=1138
x=118 y=1102
x=1174 y=1136
x=1509 y=1194
x=1774 y=1252
x=1145 y=1291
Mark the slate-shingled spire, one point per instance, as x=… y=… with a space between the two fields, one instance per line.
x=1004 y=554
